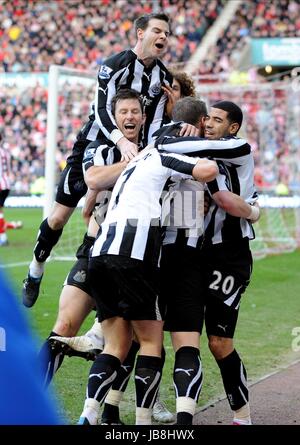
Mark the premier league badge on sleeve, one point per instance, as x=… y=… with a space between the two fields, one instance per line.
x=104 y=72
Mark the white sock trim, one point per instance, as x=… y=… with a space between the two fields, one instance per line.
x=186 y=404
x=243 y=412
x=114 y=397
x=143 y=416
x=36 y=269
x=91 y=410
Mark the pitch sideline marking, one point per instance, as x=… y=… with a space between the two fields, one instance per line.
x=9 y=265
x=266 y=376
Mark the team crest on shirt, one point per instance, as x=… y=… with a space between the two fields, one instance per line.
x=155 y=89
x=104 y=72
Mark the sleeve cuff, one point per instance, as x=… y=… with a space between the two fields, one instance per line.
x=116 y=135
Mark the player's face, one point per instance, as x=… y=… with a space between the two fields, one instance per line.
x=129 y=118
x=176 y=89
x=217 y=125
x=155 y=38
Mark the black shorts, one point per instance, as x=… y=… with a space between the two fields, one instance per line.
x=3 y=195
x=71 y=187
x=182 y=288
x=125 y=287
x=78 y=275
x=228 y=269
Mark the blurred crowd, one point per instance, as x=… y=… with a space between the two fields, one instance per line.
x=254 y=18
x=271 y=126
x=81 y=34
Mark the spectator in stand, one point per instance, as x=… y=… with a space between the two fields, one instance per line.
x=5 y=161
x=83 y=34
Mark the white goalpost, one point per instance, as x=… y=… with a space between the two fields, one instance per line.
x=271 y=123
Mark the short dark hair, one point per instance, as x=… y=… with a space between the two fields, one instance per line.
x=189 y=109
x=143 y=21
x=126 y=93
x=234 y=113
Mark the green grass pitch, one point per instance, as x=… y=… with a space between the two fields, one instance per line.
x=268 y=314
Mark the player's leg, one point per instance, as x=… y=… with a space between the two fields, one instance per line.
x=111 y=414
x=160 y=412
x=182 y=286
x=74 y=306
x=148 y=368
x=137 y=300
x=91 y=343
x=70 y=190
x=234 y=267
x=118 y=337
x=3 y=236
x=222 y=320
x=187 y=375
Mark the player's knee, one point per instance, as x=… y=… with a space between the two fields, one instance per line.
x=119 y=349
x=57 y=221
x=65 y=327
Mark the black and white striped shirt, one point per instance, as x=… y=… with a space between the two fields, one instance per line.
x=236 y=175
x=99 y=153
x=219 y=226
x=124 y=70
x=132 y=226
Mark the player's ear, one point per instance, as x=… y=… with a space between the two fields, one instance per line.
x=140 y=33
x=144 y=119
x=234 y=128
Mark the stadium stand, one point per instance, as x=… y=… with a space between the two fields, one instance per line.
x=79 y=35
x=82 y=34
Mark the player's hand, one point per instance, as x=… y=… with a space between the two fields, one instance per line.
x=128 y=149
x=189 y=130
x=171 y=99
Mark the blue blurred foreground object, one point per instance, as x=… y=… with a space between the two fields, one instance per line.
x=23 y=399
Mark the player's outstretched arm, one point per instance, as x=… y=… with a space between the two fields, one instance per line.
x=103 y=177
x=235 y=205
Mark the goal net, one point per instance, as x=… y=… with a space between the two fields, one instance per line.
x=70 y=95
x=271 y=125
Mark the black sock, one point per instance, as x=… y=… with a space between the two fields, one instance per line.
x=51 y=358
x=187 y=378
x=102 y=374
x=111 y=412
x=147 y=375
x=184 y=418
x=47 y=238
x=234 y=380
x=121 y=381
